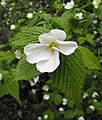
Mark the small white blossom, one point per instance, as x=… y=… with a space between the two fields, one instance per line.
x=34 y=91
x=95 y=94
x=69 y=5
x=64 y=101
x=39 y=118
x=92 y=107
x=29 y=15
x=18 y=54
x=32 y=83
x=40 y=11
x=12 y=27
x=79 y=15
x=46 y=53
x=30 y=3
x=61 y=109
x=46 y=97
x=95 y=76
x=45 y=88
x=45 y=117
x=94 y=100
x=96 y=3
x=81 y=118
x=1 y=76
x=3 y=3
x=85 y=95
x=95 y=21
x=95 y=32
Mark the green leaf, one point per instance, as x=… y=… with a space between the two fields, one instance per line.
x=27 y=35
x=57 y=98
x=10 y=87
x=25 y=71
x=62 y=23
x=50 y=114
x=69 y=115
x=69 y=77
x=89 y=38
x=89 y=59
x=99 y=12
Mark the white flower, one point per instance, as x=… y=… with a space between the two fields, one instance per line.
x=45 y=117
x=32 y=83
x=29 y=15
x=18 y=54
x=46 y=97
x=61 y=109
x=92 y=107
x=1 y=76
x=46 y=53
x=95 y=21
x=3 y=3
x=39 y=118
x=45 y=88
x=96 y=3
x=85 y=95
x=64 y=101
x=95 y=94
x=81 y=118
x=79 y=15
x=12 y=27
x=69 y=5
x=34 y=91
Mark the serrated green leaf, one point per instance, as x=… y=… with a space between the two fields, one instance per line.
x=27 y=35
x=89 y=59
x=25 y=71
x=62 y=23
x=10 y=87
x=69 y=77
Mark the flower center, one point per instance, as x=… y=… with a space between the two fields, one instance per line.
x=52 y=44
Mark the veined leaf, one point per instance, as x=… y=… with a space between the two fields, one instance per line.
x=10 y=87
x=25 y=71
x=89 y=59
x=69 y=77
x=27 y=35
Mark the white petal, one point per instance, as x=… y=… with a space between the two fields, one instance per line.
x=66 y=47
x=31 y=47
x=36 y=53
x=49 y=65
x=58 y=34
x=46 y=38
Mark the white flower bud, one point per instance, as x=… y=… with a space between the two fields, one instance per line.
x=85 y=95
x=79 y=15
x=34 y=91
x=96 y=3
x=29 y=15
x=12 y=27
x=45 y=88
x=46 y=97
x=92 y=107
x=18 y=54
x=64 y=101
x=1 y=76
x=95 y=94
x=81 y=118
x=69 y=5
x=61 y=109
x=45 y=117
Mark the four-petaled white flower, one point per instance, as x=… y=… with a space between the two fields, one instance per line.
x=46 y=53
x=69 y=5
x=96 y=3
